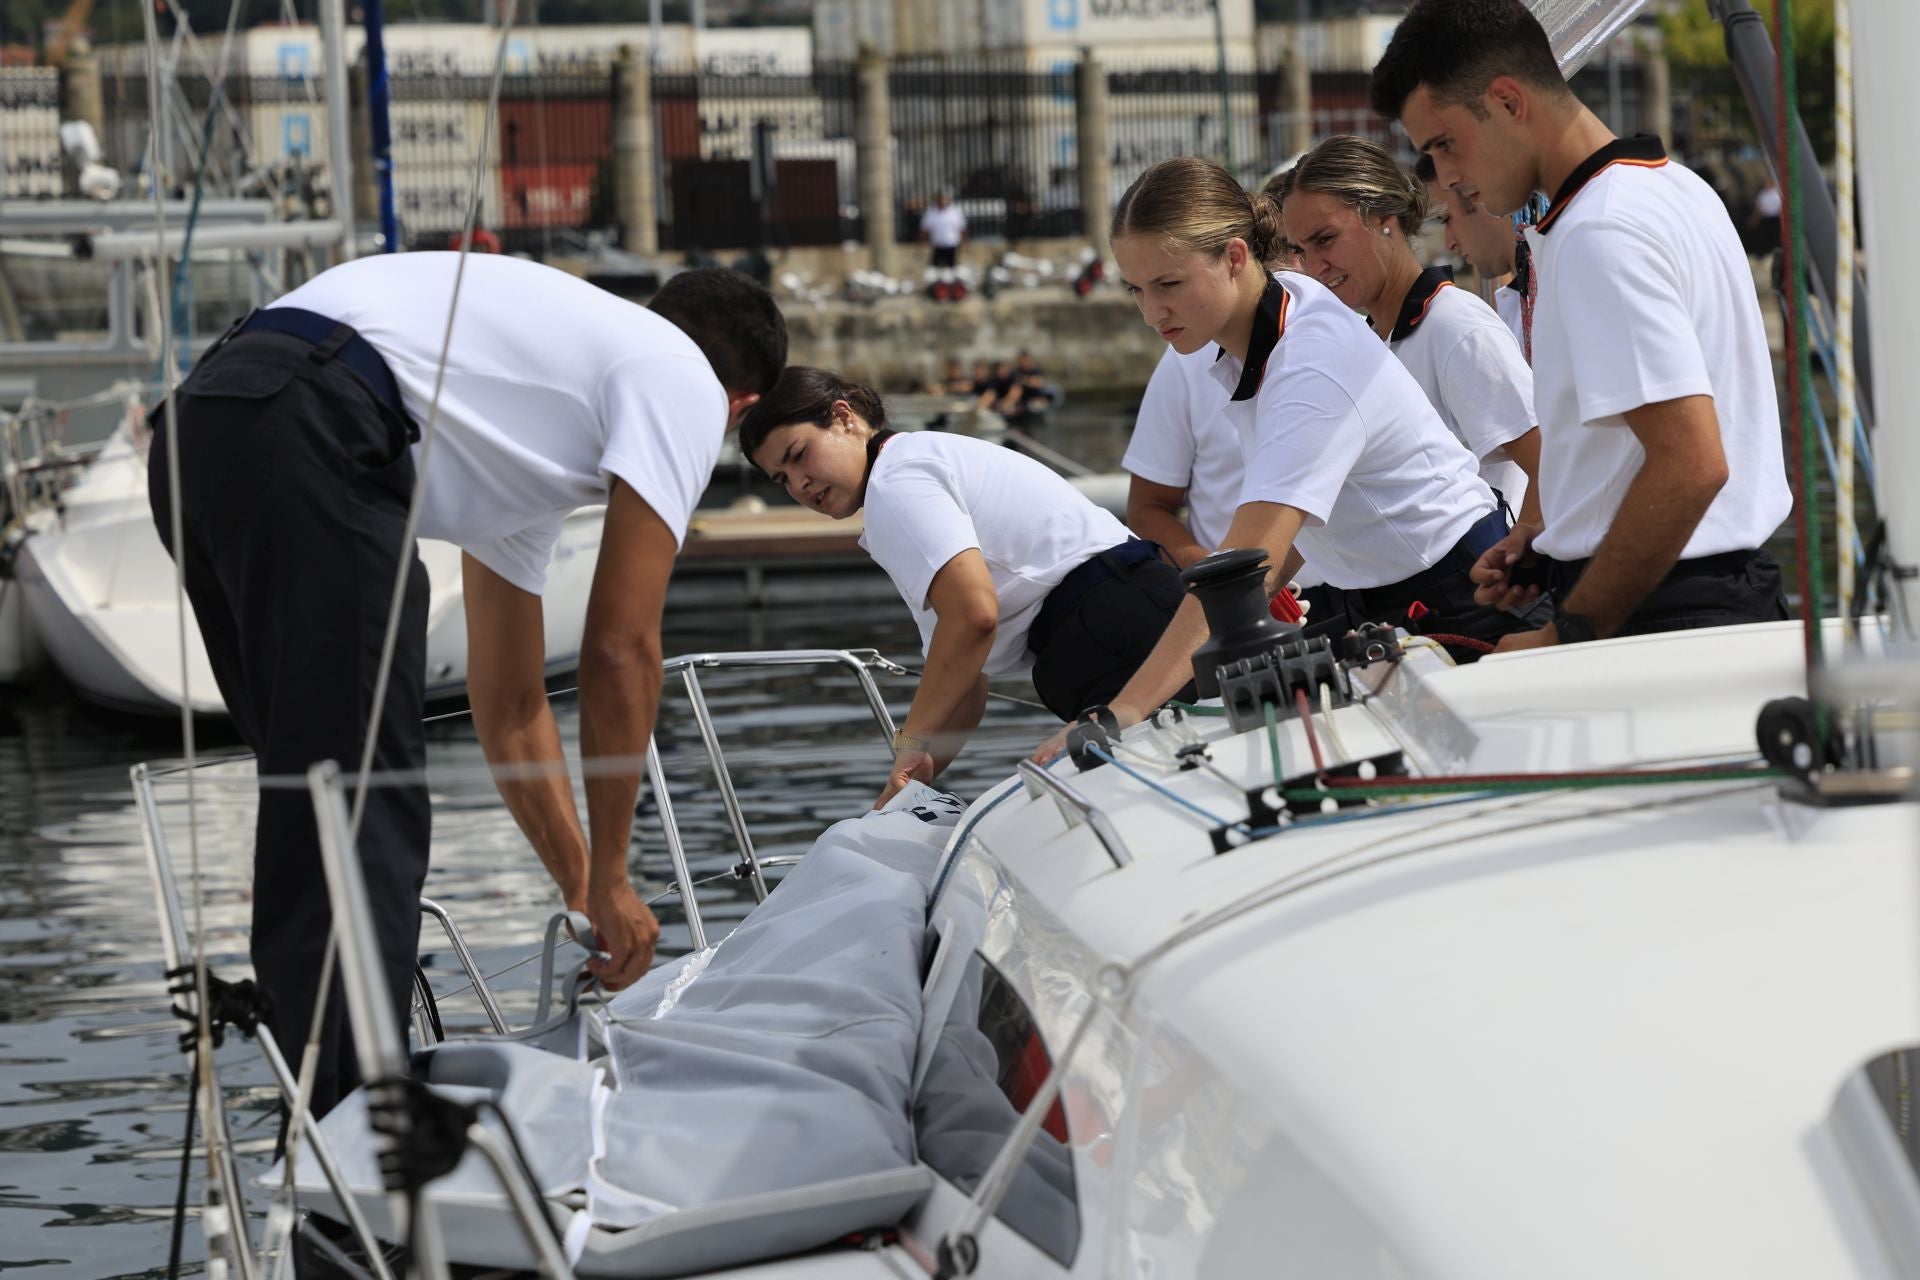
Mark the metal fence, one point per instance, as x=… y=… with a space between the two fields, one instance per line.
x=29 y=131
x=754 y=159
x=993 y=131
x=740 y=160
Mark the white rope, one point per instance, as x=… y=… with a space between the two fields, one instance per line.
x=1843 y=303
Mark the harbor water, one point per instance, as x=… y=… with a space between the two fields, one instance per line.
x=92 y=1086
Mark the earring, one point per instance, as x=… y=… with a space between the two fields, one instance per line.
x=1386 y=231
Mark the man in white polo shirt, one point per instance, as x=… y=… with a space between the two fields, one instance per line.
x=1491 y=246
x=298 y=438
x=944 y=226
x=1661 y=473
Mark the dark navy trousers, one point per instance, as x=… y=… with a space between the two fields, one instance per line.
x=295 y=480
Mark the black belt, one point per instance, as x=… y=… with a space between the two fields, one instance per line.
x=1090 y=573
x=1368 y=603
x=332 y=340
x=1561 y=575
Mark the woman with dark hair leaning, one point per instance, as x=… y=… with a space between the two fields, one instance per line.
x=1005 y=566
x=1353 y=213
x=1348 y=467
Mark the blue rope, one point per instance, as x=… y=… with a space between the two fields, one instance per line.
x=1161 y=788
x=966 y=827
x=182 y=290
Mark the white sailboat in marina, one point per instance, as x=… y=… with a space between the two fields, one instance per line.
x=86 y=585
x=1582 y=961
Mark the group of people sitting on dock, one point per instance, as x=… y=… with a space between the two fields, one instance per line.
x=1380 y=434
x=1015 y=389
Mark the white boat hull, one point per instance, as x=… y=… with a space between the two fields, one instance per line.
x=98 y=591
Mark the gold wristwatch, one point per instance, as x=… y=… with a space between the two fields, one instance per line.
x=904 y=742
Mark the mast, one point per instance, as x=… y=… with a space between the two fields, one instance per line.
x=1750 y=50
x=1886 y=32
x=380 y=119
x=333 y=36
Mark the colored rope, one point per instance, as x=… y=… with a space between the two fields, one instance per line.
x=1460 y=642
x=1306 y=718
x=1844 y=532
x=1520 y=783
x=1273 y=746
x=1799 y=371
x=1167 y=792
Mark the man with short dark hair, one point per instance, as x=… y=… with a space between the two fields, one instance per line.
x=298 y=438
x=1661 y=473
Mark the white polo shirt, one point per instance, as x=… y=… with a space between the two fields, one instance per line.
x=1645 y=295
x=944 y=227
x=553 y=387
x=1335 y=426
x=1182 y=440
x=1513 y=313
x=1464 y=358
x=931 y=496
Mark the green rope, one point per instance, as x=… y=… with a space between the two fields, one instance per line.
x=1520 y=784
x=1273 y=744
x=1802 y=356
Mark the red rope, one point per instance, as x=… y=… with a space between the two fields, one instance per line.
x=1460 y=642
x=1306 y=718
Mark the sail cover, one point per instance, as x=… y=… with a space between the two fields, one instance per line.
x=745 y=1103
x=1581 y=28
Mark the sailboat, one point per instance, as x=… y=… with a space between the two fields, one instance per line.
x=1597 y=960
x=86 y=584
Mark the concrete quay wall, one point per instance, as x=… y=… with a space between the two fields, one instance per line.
x=1097 y=343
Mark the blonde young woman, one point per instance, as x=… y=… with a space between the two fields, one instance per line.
x=1348 y=467
x=1352 y=213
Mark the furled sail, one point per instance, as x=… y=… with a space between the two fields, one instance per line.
x=1581 y=28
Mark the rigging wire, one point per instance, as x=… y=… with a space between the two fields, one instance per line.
x=202 y=1058
x=397 y=601
x=303 y=1090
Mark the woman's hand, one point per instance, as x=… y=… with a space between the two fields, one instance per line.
x=908 y=766
x=1050 y=750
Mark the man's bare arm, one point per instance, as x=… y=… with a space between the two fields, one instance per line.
x=620 y=674
x=506 y=658
x=1685 y=469
x=1153 y=512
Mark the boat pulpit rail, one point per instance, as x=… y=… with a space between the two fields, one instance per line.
x=861 y=663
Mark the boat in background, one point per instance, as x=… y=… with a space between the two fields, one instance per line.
x=97 y=591
x=81 y=306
